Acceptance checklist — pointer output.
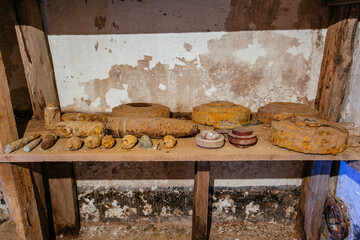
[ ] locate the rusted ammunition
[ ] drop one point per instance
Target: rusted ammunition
(93, 141)
(85, 117)
(129, 141)
(74, 143)
(169, 141)
(108, 141)
(49, 141)
(80, 129)
(51, 116)
(20, 143)
(153, 127)
(31, 145)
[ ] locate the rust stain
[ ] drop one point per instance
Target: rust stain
(100, 22)
(96, 46)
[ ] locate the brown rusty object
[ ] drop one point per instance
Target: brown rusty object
(108, 141)
(74, 143)
(80, 129)
(169, 141)
(283, 110)
(31, 145)
(85, 117)
(153, 127)
(214, 112)
(309, 135)
(141, 110)
(242, 137)
(48, 141)
(336, 218)
(128, 141)
(93, 141)
(51, 116)
(20, 143)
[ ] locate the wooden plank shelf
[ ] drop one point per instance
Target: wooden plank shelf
(185, 150)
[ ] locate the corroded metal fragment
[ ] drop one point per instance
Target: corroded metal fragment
(80, 129)
(108, 141)
(74, 143)
(284, 110)
(141, 110)
(145, 142)
(49, 141)
(51, 116)
(309, 135)
(31, 145)
(213, 112)
(129, 141)
(169, 141)
(153, 127)
(93, 141)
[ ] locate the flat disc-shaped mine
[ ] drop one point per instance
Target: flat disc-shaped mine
(283, 110)
(206, 143)
(242, 131)
(141, 110)
(214, 112)
(309, 135)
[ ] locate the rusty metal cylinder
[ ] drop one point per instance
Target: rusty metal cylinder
(93, 141)
(108, 141)
(153, 127)
(80, 129)
(85, 117)
(49, 141)
(74, 143)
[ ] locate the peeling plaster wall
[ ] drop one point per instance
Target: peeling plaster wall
(351, 104)
(185, 53)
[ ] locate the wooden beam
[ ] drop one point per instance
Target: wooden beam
(62, 188)
(312, 199)
(200, 227)
(35, 56)
(341, 2)
(335, 67)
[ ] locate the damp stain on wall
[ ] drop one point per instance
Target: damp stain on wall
(248, 68)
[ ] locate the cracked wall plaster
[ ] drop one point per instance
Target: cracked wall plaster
(185, 53)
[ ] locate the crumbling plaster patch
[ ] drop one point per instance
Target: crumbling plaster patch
(230, 66)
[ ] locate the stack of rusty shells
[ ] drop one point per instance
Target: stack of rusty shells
(242, 137)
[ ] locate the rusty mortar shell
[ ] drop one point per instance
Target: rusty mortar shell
(108, 141)
(153, 127)
(48, 141)
(80, 129)
(169, 141)
(31, 145)
(74, 143)
(93, 141)
(129, 141)
(20, 143)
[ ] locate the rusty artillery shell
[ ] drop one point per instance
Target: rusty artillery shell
(48, 141)
(51, 116)
(93, 141)
(20, 143)
(80, 129)
(85, 117)
(153, 127)
(108, 141)
(74, 143)
(31, 145)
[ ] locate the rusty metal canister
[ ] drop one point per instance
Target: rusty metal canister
(213, 112)
(153, 127)
(80, 129)
(309, 135)
(284, 110)
(85, 117)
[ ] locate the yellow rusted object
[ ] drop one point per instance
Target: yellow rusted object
(141, 110)
(309, 135)
(85, 117)
(283, 110)
(80, 129)
(214, 112)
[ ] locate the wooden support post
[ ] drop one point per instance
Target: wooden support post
(16, 179)
(335, 67)
(35, 56)
(62, 187)
(312, 199)
(201, 201)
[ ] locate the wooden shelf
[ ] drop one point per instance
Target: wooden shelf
(185, 150)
